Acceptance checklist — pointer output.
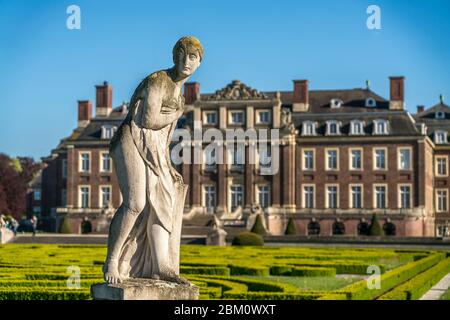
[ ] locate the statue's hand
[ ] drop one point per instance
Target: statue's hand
(176, 176)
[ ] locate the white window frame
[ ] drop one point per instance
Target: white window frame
(230, 117)
(230, 194)
(336, 103)
(370, 102)
(268, 150)
(327, 185)
(313, 159)
(375, 127)
(350, 195)
(386, 195)
(102, 167)
(204, 192)
(207, 166)
(353, 125)
(233, 148)
(338, 127)
(80, 161)
(258, 114)
(100, 195)
(37, 194)
(438, 209)
(64, 168)
(350, 159)
(108, 131)
(437, 134)
(257, 194)
(439, 115)
(437, 157)
(80, 201)
(327, 167)
(374, 158)
(205, 117)
(399, 193)
(306, 125)
(303, 202)
(399, 152)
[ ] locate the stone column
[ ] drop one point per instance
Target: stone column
(186, 173)
(288, 172)
(222, 180)
(196, 185)
(248, 178)
(71, 191)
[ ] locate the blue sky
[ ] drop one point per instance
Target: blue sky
(45, 67)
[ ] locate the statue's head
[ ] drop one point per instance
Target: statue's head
(187, 55)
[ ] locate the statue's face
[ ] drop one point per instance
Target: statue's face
(187, 62)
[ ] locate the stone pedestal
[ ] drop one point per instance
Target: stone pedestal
(144, 289)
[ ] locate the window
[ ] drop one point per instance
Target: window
(439, 115)
(37, 194)
(355, 159)
(441, 200)
(380, 159)
(64, 168)
(37, 210)
(308, 196)
(105, 162)
(404, 158)
(380, 127)
(210, 158)
(308, 159)
(333, 128)
(336, 103)
(265, 156)
(440, 137)
(309, 128)
(236, 117)
(210, 117)
(262, 116)
(380, 196)
(263, 195)
(356, 196)
(236, 156)
(108, 131)
(370, 102)
(236, 196)
(63, 197)
(85, 162)
(441, 166)
(332, 201)
(105, 196)
(332, 159)
(405, 196)
(356, 127)
(209, 197)
(84, 196)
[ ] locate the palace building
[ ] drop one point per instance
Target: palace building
(344, 155)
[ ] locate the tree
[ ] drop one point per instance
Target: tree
(13, 187)
(29, 168)
(375, 227)
(291, 228)
(258, 226)
(64, 227)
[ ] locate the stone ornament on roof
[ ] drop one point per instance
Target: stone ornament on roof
(237, 90)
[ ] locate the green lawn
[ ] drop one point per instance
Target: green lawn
(446, 295)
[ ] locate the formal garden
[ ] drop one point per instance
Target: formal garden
(233, 272)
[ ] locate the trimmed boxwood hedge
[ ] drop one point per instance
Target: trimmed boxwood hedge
(250, 271)
(420, 284)
(281, 270)
(313, 272)
(248, 239)
(220, 271)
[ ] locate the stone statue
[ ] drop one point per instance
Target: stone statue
(144, 235)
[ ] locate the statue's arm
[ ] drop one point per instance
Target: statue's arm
(152, 117)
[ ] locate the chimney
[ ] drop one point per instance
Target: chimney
(300, 98)
(103, 100)
(420, 109)
(397, 93)
(84, 113)
(191, 92)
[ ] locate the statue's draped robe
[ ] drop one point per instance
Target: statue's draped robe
(165, 198)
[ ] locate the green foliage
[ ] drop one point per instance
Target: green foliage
(251, 271)
(65, 226)
(417, 286)
(313, 272)
(248, 239)
(375, 228)
(280, 270)
(220, 271)
(258, 226)
(291, 228)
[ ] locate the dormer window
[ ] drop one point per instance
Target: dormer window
(333, 128)
(236, 117)
(439, 115)
(370, 102)
(357, 127)
(423, 128)
(108, 131)
(309, 128)
(336, 103)
(380, 126)
(440, 137)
